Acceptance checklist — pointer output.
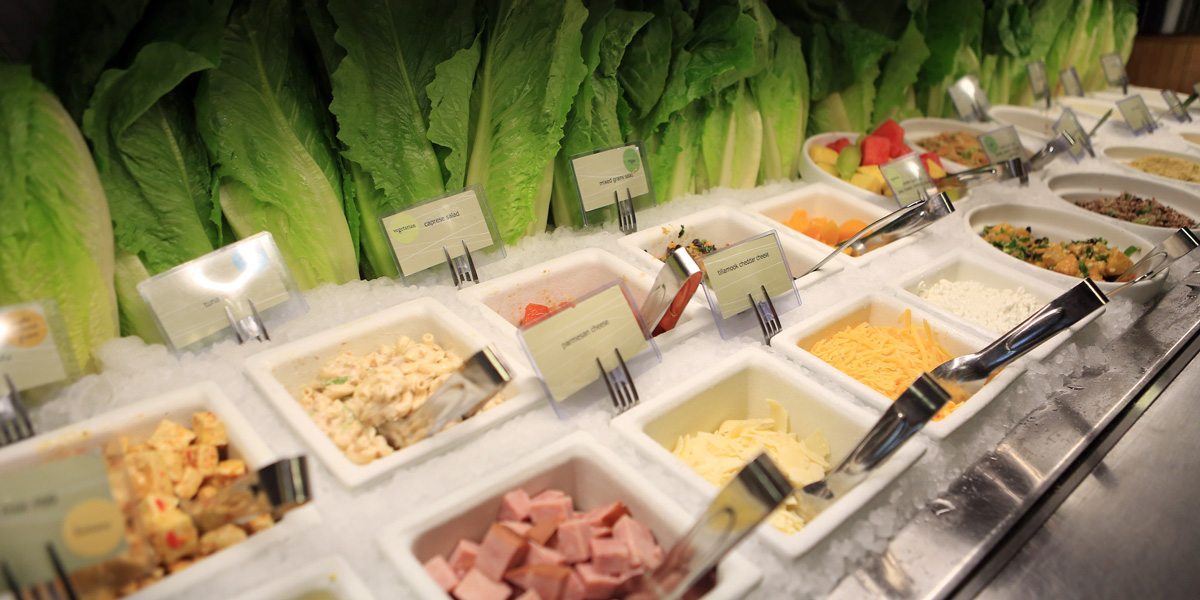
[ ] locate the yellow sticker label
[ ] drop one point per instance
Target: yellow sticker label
(93, 528)
(24, 328)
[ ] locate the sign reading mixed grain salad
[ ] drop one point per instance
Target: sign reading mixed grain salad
(619, 170)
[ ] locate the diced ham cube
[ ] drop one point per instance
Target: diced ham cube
(599, 531)
(543, 508)
(514, 506)
(529, 595)
(542, 532)
(546, 580)
(462, 558)
(597, 585)
(541, 555)
(573, 588)
(442, 574)
(573, 540)
(549, 493)
(610, 556)
(500, 550)
(644, 551)
(607, 515)
(477, 586)
(518, 527)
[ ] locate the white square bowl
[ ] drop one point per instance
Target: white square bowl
(281, 372)
(138, 421)
(592, 475)
(823, 200)
(568, 277)
(880, 310)
(330, 577)
(969, 267)
(723, 226)
(739, 390)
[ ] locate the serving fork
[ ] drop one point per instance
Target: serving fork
(14, 419)
(626, 215)
(621, 389)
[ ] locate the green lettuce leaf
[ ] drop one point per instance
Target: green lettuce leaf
(732, 139)
(848, 110)
(900, 73)
(56, 238)
(781, 93)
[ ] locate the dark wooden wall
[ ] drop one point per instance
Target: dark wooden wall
(1167, 62)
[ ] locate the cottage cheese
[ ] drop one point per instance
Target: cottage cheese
(996, 309)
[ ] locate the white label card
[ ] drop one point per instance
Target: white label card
(1136, 114)
(1002, 145)
(618, 170)
(1070, 124)
(742, 270)
(907, 177)
(565, 345)
(417, 234)
(1070, 82)
(1114, 69)
(189, 301)
(1039, 82)
(969, 99)
(29, 352)
(1178, 110)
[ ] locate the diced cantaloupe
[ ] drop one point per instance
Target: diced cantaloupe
(829, 232)
(848, 229)
(798, 220)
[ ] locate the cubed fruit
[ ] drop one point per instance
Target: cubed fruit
(798, 220)
(837, 145)
(867, 182)
(822, 154)
(935, 170)
(899, 150)
(828, 168)
(814, 227)
(875, 150)
(931, 157)
(873, 171)
(848, 229)
(891, 131)
(829, 232)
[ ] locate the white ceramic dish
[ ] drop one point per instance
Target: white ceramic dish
(591, 474)
(1092, 109)
(1060, 225)
(823, 200)
(568, 277)
(329, 578)
(281, 372)
(1035, 125)
(723, 226)
(738, 389)
(1152, 96)
(1077, 187)
(1191, 138)
(880, 310)
(918, 129)
(969, 267)
(1124, 154)
(138, 421)
(810, 172)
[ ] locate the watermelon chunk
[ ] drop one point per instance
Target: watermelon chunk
(837, 145)
(929, 156)
(875, 150)
(892, 131)
(899, 150)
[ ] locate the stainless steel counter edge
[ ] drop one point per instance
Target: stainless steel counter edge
(938, 548)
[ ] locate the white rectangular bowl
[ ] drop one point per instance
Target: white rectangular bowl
(723, 226)
(880, 310)
(591, 474)
(331, 575)
(281, 372)
(822, 200)
(566, 278)
(969, 267)
(138, 421)
(738, 390)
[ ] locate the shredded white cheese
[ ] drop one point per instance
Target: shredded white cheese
(996, 309)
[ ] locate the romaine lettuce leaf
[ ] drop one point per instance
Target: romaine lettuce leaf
(781, 93)
(899, 74)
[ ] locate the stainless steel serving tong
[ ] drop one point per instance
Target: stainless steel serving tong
(971, 371)
(904, 418)
(1009, 169)
(478, 380)
(674, 286)
(739, 507)
(274, 489)
(14, 419)
(1160, 258)
(899, 223)
(1060, 145)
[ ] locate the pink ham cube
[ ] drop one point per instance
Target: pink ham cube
(643, 550)
(500, 550)
(514, 506)
(442, 574)
(573, 588)
(477, 586)
(520, 528)
(529, 595)
(573, 541)
(462, 558)
(607, 515)
(544, 506)
(541, 555)
(610, 556)
(597, 585)
(546, 580)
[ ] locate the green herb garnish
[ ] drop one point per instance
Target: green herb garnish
(338, 380)
(1131, 250)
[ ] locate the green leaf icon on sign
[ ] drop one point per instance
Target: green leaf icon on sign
(992, 146)
(633, 162)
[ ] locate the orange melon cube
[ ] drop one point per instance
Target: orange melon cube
(848, 229)
(798, 220)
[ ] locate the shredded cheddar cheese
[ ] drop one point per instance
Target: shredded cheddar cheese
(887, 359)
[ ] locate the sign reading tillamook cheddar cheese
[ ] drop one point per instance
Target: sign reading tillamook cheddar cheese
(600, 174)
(67, 503)
(417, 234)
(742, 270)
(564, 346)
(32, 350)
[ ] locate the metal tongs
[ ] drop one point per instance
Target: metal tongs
(675, 285)
(1160, 258)
(757, 490)
(274, 489)
(903, 419)
(1060, 145)
(899, 223)
(1009, 169)
(478, 380)
(971, 371)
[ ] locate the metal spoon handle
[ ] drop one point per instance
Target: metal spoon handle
(1052, 150)
(1160, 258)
(274, 489)
(897, 224)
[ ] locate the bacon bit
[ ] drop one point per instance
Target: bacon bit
(173, 540)
(160, 504)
